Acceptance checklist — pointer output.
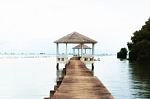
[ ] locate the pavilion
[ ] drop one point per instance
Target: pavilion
(79, 47)
(75, 38)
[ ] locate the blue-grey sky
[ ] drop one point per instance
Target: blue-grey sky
(33, 25)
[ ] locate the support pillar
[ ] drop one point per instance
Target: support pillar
(93, 56)
(92, 66)
(57, 53)
(90, 51)
(66, 50)
(57, 48)
(85, 51)
(93, 49)
(51, 93)
(73, 51)
(57, 66)
(78, 53)
(81, 50)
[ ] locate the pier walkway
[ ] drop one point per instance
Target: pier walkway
(78, 82)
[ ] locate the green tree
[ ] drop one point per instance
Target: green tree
(122, 54)
(139, 48)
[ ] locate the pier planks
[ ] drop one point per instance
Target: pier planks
(79, 83)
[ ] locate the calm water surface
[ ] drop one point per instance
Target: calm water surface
(33, 77)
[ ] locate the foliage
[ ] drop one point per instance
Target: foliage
(122, 54)
(139, 48)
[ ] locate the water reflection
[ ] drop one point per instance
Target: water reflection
(140, 80)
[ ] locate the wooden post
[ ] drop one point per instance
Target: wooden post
(58, 83)
(92, 66)
(52, 93)
(63, 72)
(61, 78)
(55, 87)
(57, 66)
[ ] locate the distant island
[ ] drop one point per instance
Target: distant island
(122, 54)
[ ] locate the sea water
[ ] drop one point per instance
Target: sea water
(33, 76)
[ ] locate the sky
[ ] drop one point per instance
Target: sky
(31, 26)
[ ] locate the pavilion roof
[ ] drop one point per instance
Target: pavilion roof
(75, 38)
(79, 47)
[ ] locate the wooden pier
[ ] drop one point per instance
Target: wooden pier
(78, 82)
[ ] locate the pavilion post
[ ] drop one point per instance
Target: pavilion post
(93, 55)
(93, 49)
(90, 51)
(73, 51)
(66, 49)
(57, 47)
(57, 53)
(81, 50)
(78, 52)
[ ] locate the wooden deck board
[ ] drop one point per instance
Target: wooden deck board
(79, 83)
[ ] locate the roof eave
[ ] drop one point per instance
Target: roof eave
(75, 42)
